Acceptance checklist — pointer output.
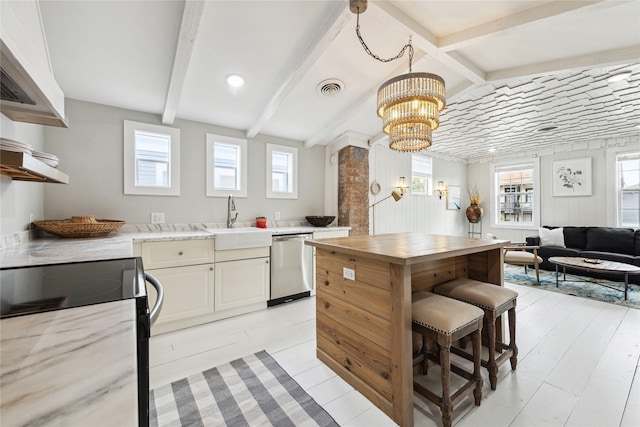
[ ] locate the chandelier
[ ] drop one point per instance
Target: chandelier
(409, 104)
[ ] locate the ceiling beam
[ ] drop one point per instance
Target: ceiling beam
(327, 32)
(600, 59)
(330, 131)
(188, 30)
(546, 11)
(428, 42)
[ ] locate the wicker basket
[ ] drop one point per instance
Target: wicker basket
(79, 226)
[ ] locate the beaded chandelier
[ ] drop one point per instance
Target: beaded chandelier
(409, 104)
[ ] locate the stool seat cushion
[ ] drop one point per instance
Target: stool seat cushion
(521, 257)
(441, 314)
(478, 293)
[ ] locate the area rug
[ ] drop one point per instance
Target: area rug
(252, 391)
(586, 287)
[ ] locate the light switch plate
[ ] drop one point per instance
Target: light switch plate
(349, 273)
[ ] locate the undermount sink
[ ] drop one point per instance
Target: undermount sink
(240, 238)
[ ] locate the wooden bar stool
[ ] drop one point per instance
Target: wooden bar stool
(443, 321)
(495, 301)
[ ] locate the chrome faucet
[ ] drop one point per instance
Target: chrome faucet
(231, 207)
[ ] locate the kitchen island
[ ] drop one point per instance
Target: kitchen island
(363, 304)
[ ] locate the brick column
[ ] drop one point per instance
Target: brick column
(353, 190)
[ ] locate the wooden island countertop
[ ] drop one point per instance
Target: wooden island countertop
(363, 304)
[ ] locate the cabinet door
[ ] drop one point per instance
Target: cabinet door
(188, 292)
(242, 282)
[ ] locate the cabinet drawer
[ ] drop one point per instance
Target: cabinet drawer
(177, 253)
(317, 235)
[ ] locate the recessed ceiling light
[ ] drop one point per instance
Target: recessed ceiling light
(235, 80)
(619, 77)
(491, 150)
(548, 128)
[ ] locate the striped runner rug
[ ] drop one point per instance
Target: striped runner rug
(252, 391)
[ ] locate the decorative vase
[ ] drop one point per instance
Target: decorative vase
(474, 213)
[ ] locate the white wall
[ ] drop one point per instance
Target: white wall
(598, 209)
(425, 214)
(91, 152)
(20, 199)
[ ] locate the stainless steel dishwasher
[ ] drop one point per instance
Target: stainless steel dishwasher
(291, 268)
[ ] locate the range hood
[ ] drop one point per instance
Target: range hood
(29, 92)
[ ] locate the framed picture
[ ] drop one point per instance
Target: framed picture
(572, 177)
(453, 197)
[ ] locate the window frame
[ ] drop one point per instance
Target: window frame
(618, 190)
(293, 151)
(495, 194)
(130, 187)
(211, 191)
(428, 177)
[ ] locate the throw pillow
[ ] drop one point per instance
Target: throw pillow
(553, 237)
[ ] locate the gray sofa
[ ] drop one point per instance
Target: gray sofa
(606, 243)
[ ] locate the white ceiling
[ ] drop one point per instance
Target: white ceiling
(510, 67)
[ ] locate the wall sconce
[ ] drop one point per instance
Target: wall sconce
(441, 189)
(402, 186)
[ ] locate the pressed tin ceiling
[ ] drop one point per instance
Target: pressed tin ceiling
(510, 67)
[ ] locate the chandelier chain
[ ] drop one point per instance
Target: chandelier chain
(406, 47)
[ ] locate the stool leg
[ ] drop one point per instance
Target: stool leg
(477, 348)
(445, 366)
(492, 366)
(512, 337)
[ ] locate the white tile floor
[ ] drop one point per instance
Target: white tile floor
(578, 364)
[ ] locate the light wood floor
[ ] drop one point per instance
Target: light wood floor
(578, 364)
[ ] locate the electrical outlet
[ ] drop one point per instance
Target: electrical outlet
(349, 273)
(157, 217)
(276, 216)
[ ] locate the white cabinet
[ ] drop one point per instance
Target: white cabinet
(188, 292)
(185, 269)
(241, 282)
(242, 278)
(197, 290)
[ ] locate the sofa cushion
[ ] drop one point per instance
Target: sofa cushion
(547, 252)
(607, 239)
(553, 237)
(637, 234)
(575, 237)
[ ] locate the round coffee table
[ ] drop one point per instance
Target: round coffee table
(588, 264)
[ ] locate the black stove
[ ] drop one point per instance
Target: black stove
(36, 289)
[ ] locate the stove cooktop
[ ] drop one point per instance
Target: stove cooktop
(35, 289)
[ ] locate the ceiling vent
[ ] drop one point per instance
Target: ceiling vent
(330, 87)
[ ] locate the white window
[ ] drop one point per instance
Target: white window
(628, 189)
(515, 194)
(421, 175)
(226, 166)
(151, 159)
(282, 172)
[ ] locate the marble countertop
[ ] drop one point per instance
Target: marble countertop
(70, 367)
(56, 250)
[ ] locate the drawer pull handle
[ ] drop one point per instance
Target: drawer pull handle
(180, 253)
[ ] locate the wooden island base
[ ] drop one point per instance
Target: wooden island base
(364, 325)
